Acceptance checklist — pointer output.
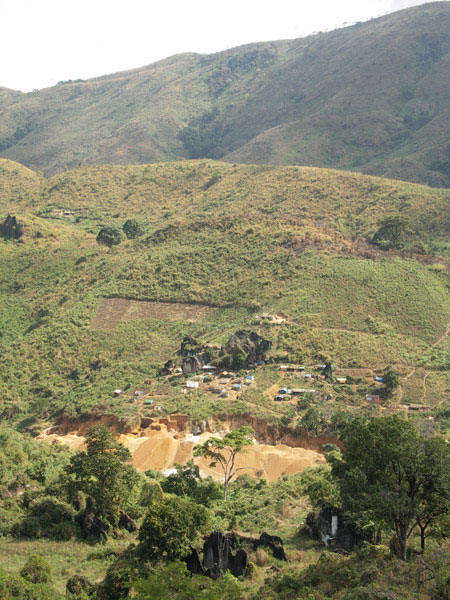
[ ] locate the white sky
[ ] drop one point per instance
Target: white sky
(45, 41)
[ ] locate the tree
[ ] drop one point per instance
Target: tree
(391, 231)
(109, 236)
(174, 581)
(391, 380)
(392, 475)
(186, 482)
(132, 228)
(170, 526)
(223, 452)
(102, 473)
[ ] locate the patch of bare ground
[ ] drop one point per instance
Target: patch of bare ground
(112, 311)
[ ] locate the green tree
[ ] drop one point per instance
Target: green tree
(391, 231)
(170, 526)
(102, 472)
(223, 452)
(109, 236)
(391, 379)
(174, 581)
(132, 228)
(392, 475)
(187, 482)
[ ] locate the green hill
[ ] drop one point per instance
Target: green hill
(237, 240)
(372, 97)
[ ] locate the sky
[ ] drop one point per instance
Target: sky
(46, 41)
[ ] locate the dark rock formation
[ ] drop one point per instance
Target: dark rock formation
(332, 527)
(91, 525)
(126, 522)
(192, 364)
(273, 542)
(252, 345)
(167, 368)
(194, 564)
(221, 553)
(218, 556)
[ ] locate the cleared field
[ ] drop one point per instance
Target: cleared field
(113, 310)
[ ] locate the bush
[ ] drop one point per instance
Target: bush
(132, 228)
(109, 236)
(37, 570)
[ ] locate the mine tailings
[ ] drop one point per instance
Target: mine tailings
(161, 443)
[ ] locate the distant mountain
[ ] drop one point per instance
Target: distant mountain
(373, 97)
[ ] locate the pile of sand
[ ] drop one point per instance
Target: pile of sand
(161, 450)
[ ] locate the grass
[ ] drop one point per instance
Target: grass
(341, 99)
(290, 240)
(91, 561)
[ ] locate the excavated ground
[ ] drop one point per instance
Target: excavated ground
(161, 445)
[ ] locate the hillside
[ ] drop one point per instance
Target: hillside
(220, 243)
(372, 97)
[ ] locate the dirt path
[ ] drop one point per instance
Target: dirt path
(433, 345)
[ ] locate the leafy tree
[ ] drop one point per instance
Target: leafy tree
(109, 236)
(391, 231)
(392, 475)
(102, 473)
(187, 482)
(223, 452)
(174, 581)
(132, 228)
(391, 380)
(170, 526)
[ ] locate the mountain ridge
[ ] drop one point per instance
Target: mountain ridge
(370, 97)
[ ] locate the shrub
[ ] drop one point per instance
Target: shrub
(37, 570)
(109, 236)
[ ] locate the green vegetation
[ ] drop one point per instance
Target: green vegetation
(284, 240)
(223, 452)
(101, 472)
(370, 97)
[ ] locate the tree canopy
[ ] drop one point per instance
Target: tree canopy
(170, 526)
(223, 452)
(109, 236)
(392, 475)
(102, 472)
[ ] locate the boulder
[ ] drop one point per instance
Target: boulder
(333, 527)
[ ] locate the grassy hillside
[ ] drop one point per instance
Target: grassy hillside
(238, 239)
(372, 97)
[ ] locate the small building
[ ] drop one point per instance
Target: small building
(117, 393)
(209, 368)
(283, 391)
(279, 398)
(138, 393)
(418, 407)
(291, 368)
(148, 401)
(341, 379)
(191, 384)
(373, 398)
(379, 379)
(299, 391)
(236, 387)
(308, 376)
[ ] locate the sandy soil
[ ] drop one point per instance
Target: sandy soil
(161, 450)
